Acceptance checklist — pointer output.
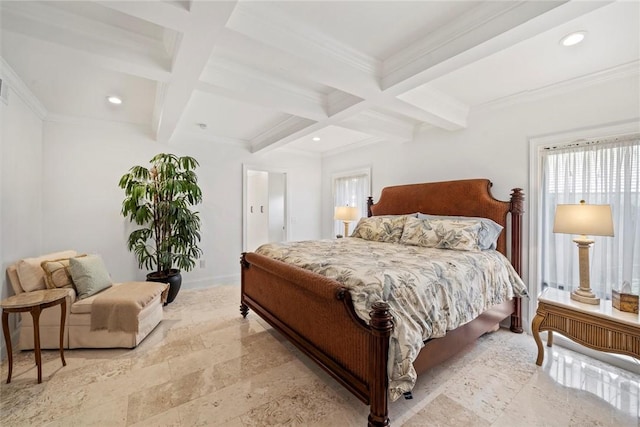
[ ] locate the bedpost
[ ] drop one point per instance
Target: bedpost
(517, 209)
(244, 308)
(369, 204)
(381, 326)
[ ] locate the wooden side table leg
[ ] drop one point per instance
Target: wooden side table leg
(535, 330)
(35, 313)
(7, 340)
(63, 315)
(549, 338)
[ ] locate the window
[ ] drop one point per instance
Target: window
(351, 188)
(602, 171)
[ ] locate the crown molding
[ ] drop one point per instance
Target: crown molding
(13, 81)
(627, 70)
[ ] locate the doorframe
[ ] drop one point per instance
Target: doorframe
(257, 167)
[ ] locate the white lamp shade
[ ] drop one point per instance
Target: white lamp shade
(346, 213)
(583, 219)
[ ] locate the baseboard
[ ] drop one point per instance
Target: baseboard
(207, 282)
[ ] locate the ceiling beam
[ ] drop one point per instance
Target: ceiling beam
(483, 31)
(117, 60)
(355, 75)
(206, 22)
(44, 30)
(235, 81)
(286, 131)
(429, 105)
(161, 13)
(486, 29)
(333, 63)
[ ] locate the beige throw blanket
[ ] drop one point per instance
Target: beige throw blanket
(116, 308)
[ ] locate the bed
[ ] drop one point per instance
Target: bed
(317, 313)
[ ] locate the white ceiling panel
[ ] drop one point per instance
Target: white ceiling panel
(227, 118)
(331, 138)
(78, 89)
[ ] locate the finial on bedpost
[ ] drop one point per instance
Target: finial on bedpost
(517, 201)
(381, 326)
(517, 209)
(369, 204)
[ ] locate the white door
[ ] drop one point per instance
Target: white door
(264, 212)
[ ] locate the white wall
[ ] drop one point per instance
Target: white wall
(495, 145)
(82, 200)
(20, 179)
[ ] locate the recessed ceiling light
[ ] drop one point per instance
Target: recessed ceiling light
(573, 38)
(114, 99)
(316, 138)
(201, 125)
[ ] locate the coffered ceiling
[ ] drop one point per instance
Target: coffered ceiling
(273, 74)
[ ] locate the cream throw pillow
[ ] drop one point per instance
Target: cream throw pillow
(30, 271)
(57, 274)
(89, 274)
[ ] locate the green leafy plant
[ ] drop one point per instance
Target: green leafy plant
(159, 199)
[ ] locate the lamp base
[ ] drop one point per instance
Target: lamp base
(586, 297)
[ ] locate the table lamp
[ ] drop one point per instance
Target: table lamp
(584, 219)
(346, 214)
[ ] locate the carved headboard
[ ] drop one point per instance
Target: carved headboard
(469, 197)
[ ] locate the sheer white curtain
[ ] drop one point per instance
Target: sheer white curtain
(600, 172)
(351, 189)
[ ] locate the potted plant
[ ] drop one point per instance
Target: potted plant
(159, 199)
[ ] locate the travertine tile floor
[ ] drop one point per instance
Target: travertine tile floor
(205, 365)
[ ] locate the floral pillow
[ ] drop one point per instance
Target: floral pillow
(489, 230)
(442, 234)
(380, 228)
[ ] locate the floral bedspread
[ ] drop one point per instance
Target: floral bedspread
(429, 291)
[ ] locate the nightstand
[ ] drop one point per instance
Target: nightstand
(600, 327)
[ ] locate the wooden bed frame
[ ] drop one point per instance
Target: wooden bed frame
(316, 313)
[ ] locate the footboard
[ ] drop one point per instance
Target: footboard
(316, 314)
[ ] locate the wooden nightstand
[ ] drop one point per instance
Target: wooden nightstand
(600, 327)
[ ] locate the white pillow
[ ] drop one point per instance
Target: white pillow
(30, 272)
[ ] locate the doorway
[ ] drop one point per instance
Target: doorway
(264, 215)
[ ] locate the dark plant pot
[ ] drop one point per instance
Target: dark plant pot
(172, 277)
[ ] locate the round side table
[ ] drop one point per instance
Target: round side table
(34, 303)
